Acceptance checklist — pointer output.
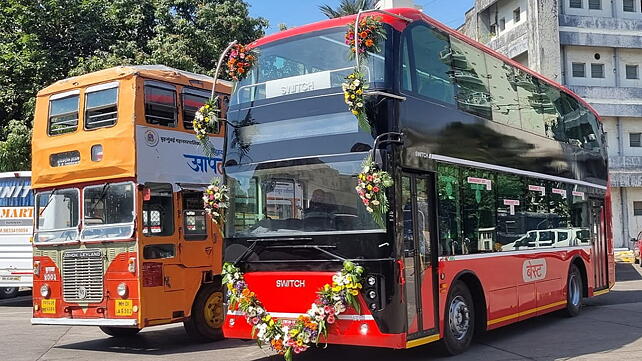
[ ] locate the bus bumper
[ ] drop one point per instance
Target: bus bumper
(110, 322)
(356, 330)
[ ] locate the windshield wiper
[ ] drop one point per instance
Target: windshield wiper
(49, 201)
(267, 240)
(103, 193)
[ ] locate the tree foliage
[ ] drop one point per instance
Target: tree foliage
(42, 41)
(347, 7)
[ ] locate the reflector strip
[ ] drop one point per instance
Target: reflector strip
(422, 341)
(524, 313)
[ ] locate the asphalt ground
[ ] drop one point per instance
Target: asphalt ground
(609, 328)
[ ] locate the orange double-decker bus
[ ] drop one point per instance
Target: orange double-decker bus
(121, 240)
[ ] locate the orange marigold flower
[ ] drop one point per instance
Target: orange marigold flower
(241, 70)
(245, 292)
(369, 42)
(363, 34)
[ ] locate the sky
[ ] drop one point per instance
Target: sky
(300, 12)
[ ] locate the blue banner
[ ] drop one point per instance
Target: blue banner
(15, 192)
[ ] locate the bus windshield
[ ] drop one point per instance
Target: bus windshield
(304, 63)
(294, 197)
(57, 212)
(108, 211)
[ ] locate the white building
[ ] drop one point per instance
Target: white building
(594, 47)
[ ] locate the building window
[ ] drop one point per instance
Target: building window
(637, 208)
(579, 70)
(634, 140)
(628, 6)
(595, 4)
(575, 4)
(597, 70)
(632, 72)
(502, 24)
(517, 13)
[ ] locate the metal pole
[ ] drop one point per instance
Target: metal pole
(218, 67)
(356, 39)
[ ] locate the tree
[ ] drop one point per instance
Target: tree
(42, 41)
(347, 7)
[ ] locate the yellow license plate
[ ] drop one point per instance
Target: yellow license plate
(124, 307)
(48, 306)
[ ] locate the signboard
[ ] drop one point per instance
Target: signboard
(16, 206)
(64, 158)
(170, 156)
(16, 220)
(298, 84)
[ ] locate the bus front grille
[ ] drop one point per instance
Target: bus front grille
(82, 276)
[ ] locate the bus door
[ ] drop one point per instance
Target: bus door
(196, 243)
(599, 243)
(417, 202)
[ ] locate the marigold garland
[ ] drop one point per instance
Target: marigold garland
(371, 33)
(371, 185)
(332, 300)
(206, 121)
(216, 200)
(239, 61)
(354, 96)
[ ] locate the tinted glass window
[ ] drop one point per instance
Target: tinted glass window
(101, 109)
(160, 106)
(158, 217)
(510, 209)
(531, 102)
(194, 217)
(478, 211)
(471, 77)
(191, 103)
(432, 64)
(449, 208)
(63, 115)
(503, 89)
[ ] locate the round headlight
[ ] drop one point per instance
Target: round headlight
(122, 290)
(45, 291)
(371, 280)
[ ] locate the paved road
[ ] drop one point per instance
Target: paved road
(609, 328)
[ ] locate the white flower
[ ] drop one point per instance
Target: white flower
(357, 82)
(359, 105)
(370, 210)
(375, 202)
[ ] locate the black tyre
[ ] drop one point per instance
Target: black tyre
(459, 321)
(574, 292)
(120, 331)
(8, 292)
(206, 322)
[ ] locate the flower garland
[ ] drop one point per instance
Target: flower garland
(239, 62)
(371, 33)
(205, 122)
(215, 200)
(371, 186)
(353, 93)
(332, 300)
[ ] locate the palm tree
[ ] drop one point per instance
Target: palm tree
(347, 7)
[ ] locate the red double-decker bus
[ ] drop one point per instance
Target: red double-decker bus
(500, 207)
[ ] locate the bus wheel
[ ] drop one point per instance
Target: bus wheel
(574, 292)
(8, 292)
(460, 319)
(119, 331)
(206, 321)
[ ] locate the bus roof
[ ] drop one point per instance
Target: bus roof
(398, 24)
(118, 72)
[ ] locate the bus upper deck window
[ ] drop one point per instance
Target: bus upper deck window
(101, 105)
(63, 113)
(160, 104)
(192, 99)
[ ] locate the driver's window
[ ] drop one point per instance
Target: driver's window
(194, 218)
(158, 218)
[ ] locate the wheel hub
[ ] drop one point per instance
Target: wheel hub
(574, 290)
(459, 318)
(213, 310)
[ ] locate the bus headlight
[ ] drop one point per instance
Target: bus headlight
(122, 290)
(371, 294)
(371, 280)
(45, 291)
